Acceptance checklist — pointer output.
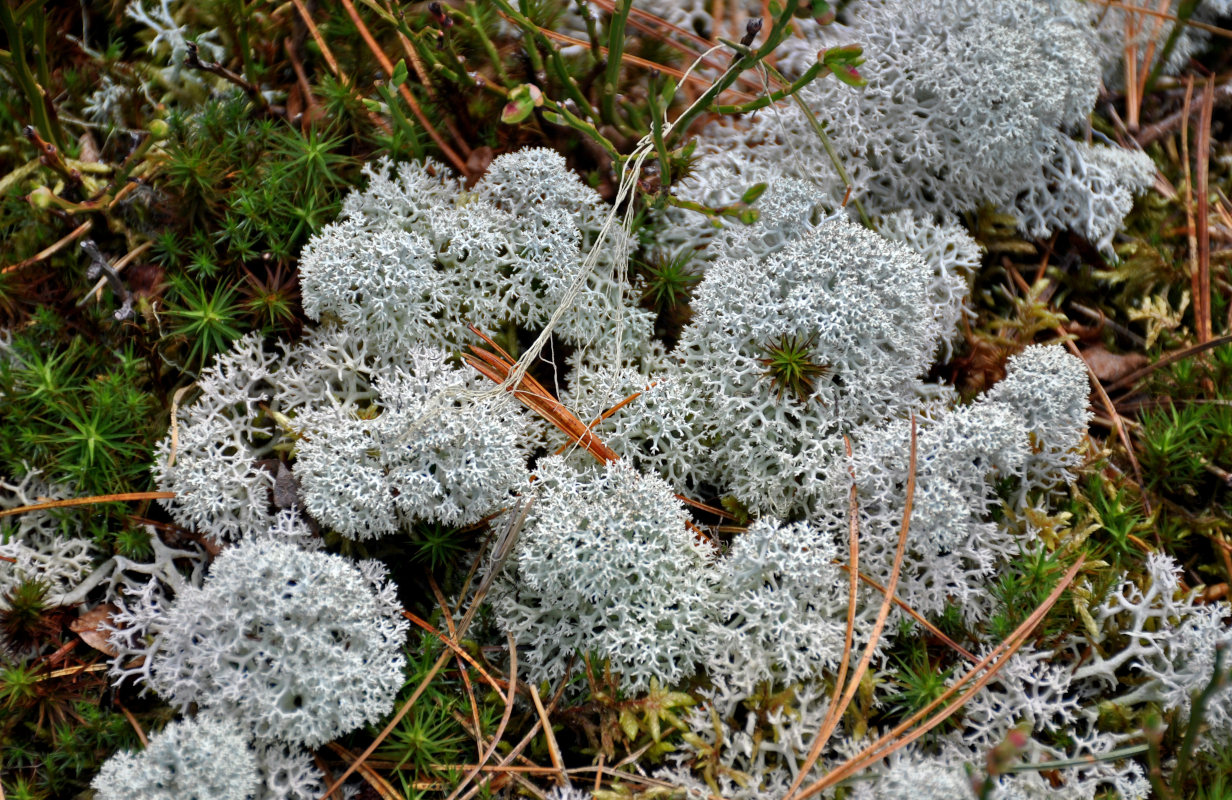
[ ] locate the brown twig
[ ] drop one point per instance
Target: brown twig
(374, 778)
(462, 656)
(128, 715)
(836, 710)
(896, 740)
(502, 551)
(50, 156)
(88, 501)
(51, 250)
(1165, 360)
(1151, 133)
(1202, 296)
(193, 59)
(504, 723)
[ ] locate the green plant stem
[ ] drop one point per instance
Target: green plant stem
(592, 30)
(583, 127)
(35, 94)
(472, 11)
(810, 74)
(241, 34)
(1198, 711)
(656, 131)
(615, 54)
(720, 211)
(1111, 755)
(559, 69)
(747, 59)
(820, 130)
(1183, 12)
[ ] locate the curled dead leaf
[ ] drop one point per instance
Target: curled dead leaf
(90, 626)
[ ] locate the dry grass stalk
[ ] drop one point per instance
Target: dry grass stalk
(462, 655)
(504, 723)
(453, 645)
(374, 778)
(52, 249)
(896, 740)
(501, 551)
(87, 501)
(837, 709)
(553, 749)
(1202, 294)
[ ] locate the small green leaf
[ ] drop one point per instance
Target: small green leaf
(399, 76)
(755, 191)
(628, 724)
(749, 215)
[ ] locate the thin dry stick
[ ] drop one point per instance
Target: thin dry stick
(1133, 102)
(891, 742)
(918, 617)
(331, 62)
(836, 711)
(129, 257)
(458, 162)
(50, 250)
(453, 645)
(453, 633)
(358, 763)
(301, 78)
(637, 14)
(516, 752)
(1203, 293)
(128, 715)
(1191, 230)
(374, 778)
(1164, 361)
(417, 64)
(640, 62)
(853, 547)
(1117, 422)
(503, 545)
(500, 729)
(553, 748)
(320, 40)
(1150, 12)
(1149, 56)
(88, 501)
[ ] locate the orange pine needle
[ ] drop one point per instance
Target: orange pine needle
(88, 501)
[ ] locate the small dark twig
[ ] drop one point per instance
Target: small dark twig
(49, 156)
(99, 266)
(1170, 123)
(193, 59)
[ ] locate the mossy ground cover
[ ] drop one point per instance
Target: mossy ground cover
(154, 200)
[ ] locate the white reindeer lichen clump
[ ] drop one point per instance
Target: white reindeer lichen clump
(299, 647)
